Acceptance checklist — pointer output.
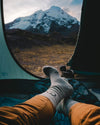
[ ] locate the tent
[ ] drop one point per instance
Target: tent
(85, 59)
(18, 85)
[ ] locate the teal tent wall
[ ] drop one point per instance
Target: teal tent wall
(86, 58)
(9, 69)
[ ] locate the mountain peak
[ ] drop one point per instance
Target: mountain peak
(57, 12)
(45, 21)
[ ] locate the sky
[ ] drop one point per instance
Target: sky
(20, 8)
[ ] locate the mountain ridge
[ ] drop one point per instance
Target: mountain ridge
(54, 19)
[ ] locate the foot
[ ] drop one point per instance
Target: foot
(49, 70)
(57, 81)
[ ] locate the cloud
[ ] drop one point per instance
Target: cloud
(19, 8)
(75, 11)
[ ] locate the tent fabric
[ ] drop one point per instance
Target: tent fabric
(85, 59)
(9, 69)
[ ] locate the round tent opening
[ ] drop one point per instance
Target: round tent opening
(40, 35)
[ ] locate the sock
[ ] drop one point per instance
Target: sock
(65, 105)
(59, 88)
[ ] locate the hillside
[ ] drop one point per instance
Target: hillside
(34, 58)
(17, 38)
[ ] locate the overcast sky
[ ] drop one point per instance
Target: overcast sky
(20, 8)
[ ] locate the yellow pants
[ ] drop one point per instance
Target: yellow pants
(84, 114)
(39, 111)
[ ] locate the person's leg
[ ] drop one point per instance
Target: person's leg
(80, 113)
(40, 109)
(59, 88)
(36, 111)
(65, 105)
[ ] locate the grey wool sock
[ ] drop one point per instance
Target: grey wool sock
(65, 105)
(59, 88)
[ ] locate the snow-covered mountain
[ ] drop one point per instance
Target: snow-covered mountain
(53, 19)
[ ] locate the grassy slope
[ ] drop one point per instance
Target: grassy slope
(35, 58)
